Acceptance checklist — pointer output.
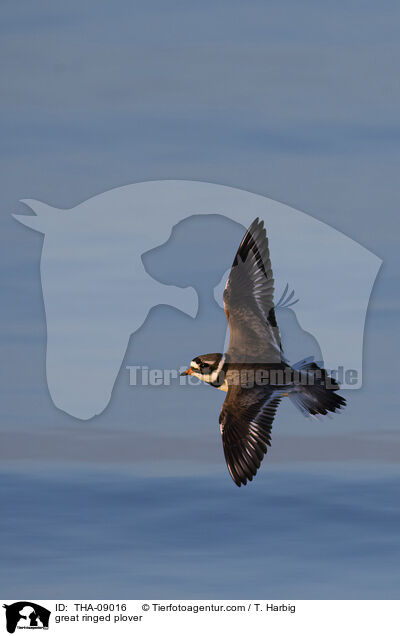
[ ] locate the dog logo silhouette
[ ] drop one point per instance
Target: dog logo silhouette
(26, 615)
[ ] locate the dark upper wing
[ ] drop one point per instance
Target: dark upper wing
(246, 423)
(249, 301)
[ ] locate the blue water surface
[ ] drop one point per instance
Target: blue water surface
(293, 534)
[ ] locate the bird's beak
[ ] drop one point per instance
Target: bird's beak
(187, 372)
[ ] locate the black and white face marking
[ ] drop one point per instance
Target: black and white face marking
(208, 367)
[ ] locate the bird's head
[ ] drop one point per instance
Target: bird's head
(208, 368)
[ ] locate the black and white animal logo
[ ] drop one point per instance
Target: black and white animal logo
(26, 614)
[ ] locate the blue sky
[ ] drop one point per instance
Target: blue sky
(292, 102)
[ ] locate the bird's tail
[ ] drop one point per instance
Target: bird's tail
(314, 391)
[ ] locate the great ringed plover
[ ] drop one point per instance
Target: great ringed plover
(253, 371)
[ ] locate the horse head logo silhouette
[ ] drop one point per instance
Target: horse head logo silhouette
(26, 614)
(97, 292)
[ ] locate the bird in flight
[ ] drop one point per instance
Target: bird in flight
(253, 371)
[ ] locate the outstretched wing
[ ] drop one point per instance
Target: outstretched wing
(249, 301)
(246, 423)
